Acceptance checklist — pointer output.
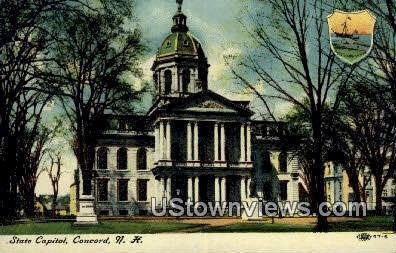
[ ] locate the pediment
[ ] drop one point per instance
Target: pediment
(206, 102)
(207, 105)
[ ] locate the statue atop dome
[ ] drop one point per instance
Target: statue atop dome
(179, 3)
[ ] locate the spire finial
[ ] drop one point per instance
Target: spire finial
(179, 3)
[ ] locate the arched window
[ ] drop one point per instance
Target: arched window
(283, 161)
(155, 78)
(186, 79)
(142, 159)
(122, 159)
(168, 81)
(102, 158)
(266, 161)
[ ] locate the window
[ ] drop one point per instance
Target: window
(168, 81)
(142, 159)
(142, 189)
(264, 130)
(122, 125)
(122, 186)
(266, 161)
(283, 190)
(102, 158)
(168, 44)
(155, 78)
(283, 161)
(104, 212)
(185, 79)
(123, 212)
(103, 191)
(385, 193)
(122, 159)
(185, 43)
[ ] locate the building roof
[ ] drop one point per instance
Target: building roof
(181, 43)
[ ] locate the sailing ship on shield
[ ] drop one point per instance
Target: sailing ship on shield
(351, 34)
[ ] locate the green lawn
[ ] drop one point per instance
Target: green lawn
(258, 227)
(160, 226)
(382, 223)
(367, 224)
(105, 227)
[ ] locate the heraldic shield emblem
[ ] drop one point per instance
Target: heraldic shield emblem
(351, 34)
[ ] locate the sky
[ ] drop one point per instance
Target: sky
(216, 25)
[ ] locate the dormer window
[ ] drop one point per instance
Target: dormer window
(168, 44)
(185, 43)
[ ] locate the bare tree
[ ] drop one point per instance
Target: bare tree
(293, 59)
(54, 171)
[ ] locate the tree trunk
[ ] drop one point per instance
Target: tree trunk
(318, 171)
(54, 204)
(354, 182)
(29, 203)
(378, 194)
(85, 157)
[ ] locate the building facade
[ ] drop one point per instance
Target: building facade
(193, 144)
(338, 189)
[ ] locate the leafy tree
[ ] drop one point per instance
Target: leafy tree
(22, 47)
(93, 51)
(372, 130)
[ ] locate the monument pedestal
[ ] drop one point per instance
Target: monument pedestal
(254, 212)
(86, 214)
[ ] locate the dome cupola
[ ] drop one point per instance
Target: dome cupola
(180, 67)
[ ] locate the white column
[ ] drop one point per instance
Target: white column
(175, 83)
(196, 189)
(161, 141)
(248, 143)
(223, 189)
(196, 158)
(189, 141)
(168, 140)
(248, 187)
(243, 155)
(189, 189)
(222, 140)
(216, 141)
(161, 81)
(169, 188)
(159, 191)
(243, 189)
(217, 189)
(156, 148)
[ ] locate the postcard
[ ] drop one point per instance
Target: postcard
(200, 126)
